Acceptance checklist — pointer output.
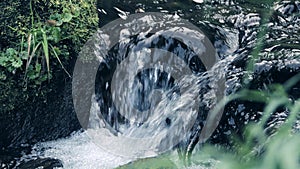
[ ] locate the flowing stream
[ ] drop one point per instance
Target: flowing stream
(232, 28)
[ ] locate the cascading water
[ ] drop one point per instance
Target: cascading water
(148, 82)
(170, 109)
(158, 90)
(150, 111)
(81, 151)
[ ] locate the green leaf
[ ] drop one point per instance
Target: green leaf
(55, 16)
(66, 10)
(31, 73)
(3, 61)
(17, 63)
(76, 11)
(67, 17)
(55, 34)
(58, 18)
(11, 52)
(23, 55)
(59, 23)
(38, 67)
(56, 55)
(45, 46)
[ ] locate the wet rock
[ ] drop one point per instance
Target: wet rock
(10, 156)
(7, 161)
(40, 121)
(45, 163)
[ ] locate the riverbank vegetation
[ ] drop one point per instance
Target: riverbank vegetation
(39, 40)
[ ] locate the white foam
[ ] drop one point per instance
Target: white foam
(78, 151)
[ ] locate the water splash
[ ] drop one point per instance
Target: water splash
(79, 151)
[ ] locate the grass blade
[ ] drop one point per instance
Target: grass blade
(46, 51)
(55, 54)
(30, 57)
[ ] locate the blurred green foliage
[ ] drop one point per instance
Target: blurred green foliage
(258, 149)
(39, 40)
(150, 163)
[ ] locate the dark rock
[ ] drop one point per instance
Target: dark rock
(10, 156)
(45, 163)
(40, 121)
